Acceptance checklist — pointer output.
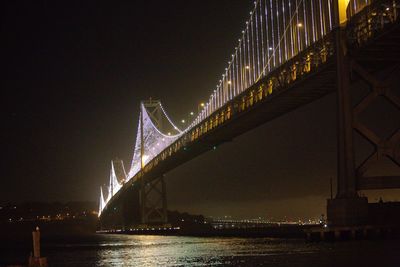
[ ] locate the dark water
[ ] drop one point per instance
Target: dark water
(121, 250)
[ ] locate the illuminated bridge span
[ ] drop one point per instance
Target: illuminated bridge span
(290, 53)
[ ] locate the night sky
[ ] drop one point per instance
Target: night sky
(75, 72)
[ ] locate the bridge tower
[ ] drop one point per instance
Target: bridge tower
(153, 193)
(348, 208)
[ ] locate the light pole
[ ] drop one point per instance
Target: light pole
(200, 107)
(189, 118)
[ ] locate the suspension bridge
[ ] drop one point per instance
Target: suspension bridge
(290, 53)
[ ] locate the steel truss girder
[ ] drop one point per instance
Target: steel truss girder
(383, 147)
(154, 201)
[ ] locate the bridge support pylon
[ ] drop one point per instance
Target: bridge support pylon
(153, 202)
(348, 208)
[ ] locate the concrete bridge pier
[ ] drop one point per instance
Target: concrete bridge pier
(347, 208)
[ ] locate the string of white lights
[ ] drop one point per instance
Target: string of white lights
(313, 22)
(257, 41)
(272, 48)
(298, 32)
(262, 35)
(321, 18)
(306, 35)
(280, 40)
(169, 120)
(110, 189)
(136, 153)
(244, 59)
(253, 63)
(330, 14)
(292, 31)
(285, 48)
(248, 53)
(101, 202)
(116, 185)
(146, 115)
(233, 78)
(237, 81)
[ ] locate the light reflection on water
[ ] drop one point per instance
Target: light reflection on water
(183, 251)
(123, 250)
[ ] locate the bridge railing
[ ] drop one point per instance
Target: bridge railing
(371, 20)
(356, 6)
